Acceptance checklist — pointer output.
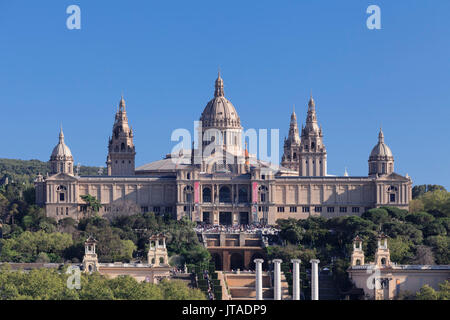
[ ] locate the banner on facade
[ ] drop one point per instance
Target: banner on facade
(255, 192)
(196, 192)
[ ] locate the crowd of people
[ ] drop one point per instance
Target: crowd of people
(249, 228)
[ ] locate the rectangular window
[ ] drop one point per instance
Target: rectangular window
(392, 197)
(330, 209)
(157, 209)
(263, 177)
(168, 209)
(263, 197)
(280, 209)
(355, 209)
(67, 211)
(343, 209)
(293, 209)
(61, 196)
(144, 209)
(305, 209)
(317, 209)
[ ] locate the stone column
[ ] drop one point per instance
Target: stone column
(277, 279)
(258, 282)
(296, 279)
(314, 279)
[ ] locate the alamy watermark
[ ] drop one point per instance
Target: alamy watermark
(374, 20)
(74, 20)
(74, 280)
(224, 146)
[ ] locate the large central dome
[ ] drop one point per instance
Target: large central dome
(220, 112)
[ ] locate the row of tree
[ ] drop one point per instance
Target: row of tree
(51, 284)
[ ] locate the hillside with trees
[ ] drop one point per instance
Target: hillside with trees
(51, 284)
(25, 171)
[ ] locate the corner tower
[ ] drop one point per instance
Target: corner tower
(381, 160)
(291, 145)
(121, 151)
(61, 160)
(312, 152)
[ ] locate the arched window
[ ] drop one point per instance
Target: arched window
(122, 147)
(61, 190)
(243, 194)
(207, 194)
(116, 149)
(358, 262)
(263, 191)
(312, 145)
(225, 194)
(383, 261)
(153, 260)
(161, 260)
(188, 191)
(392, 191)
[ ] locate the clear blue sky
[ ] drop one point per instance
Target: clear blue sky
(164, 56)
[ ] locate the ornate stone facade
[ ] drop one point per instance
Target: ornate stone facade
(238, 190)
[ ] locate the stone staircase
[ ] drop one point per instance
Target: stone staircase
(242, 286)
(327, 288)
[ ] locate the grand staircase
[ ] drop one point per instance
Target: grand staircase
(327, 288)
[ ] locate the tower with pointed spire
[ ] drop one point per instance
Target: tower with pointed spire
(312, 152)
(121, 150)
(291, 144)
(61, 160)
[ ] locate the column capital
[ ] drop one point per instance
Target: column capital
(258, 261)
(314, 261)
(296, 261)
(277, 261)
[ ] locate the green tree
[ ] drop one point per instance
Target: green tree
(93, 205)
(177, 290)
(427, 293)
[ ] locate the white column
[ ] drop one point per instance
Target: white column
(296, 279)
(277, 279)
(258, 282)
(314, 279)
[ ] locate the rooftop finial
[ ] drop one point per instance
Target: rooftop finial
(219, 86)
(61, 134)
(381, 136)
(122, 103)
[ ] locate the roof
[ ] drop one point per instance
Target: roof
(169, 163)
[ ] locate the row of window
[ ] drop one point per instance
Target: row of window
(157, 209)
(60, 211)
(318, 209)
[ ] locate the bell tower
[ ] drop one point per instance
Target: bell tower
(312, 152)
(90, 260)
(382, 255)
(121, 150)
(358, 253)
(291, 144)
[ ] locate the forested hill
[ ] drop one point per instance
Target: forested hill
(25, 171)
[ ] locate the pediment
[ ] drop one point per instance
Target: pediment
(393, 176)
(62, 177)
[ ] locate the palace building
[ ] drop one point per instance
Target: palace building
(229, 186)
